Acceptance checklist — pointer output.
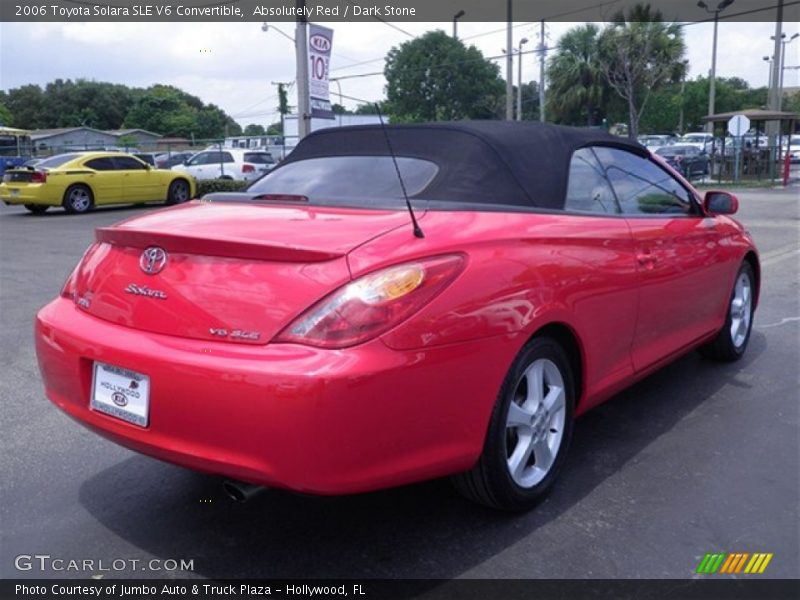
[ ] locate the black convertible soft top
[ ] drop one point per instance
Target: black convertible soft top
(484, 162)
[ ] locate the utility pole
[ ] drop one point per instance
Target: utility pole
(301, 51)
(784, 43)
(542, 54)
(776, 63)
(773, 127)
(509, 64)
(519, 79)
(712, 76)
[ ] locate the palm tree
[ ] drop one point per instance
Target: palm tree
(577, 81)
(639, 53)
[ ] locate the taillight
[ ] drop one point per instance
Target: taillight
(68, 289)
(371, 305)
(246, 168)
(39, 177)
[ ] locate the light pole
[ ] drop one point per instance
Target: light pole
(519, 89)
(542, 55)
(265, 27)
(456, 17)
(769, 75)
(509, 63)
(301, 50)
(781, 67)
(301, 56)
(713, 75)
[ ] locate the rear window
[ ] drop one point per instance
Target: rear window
(56, 161)
(259, 158)
(351, 180)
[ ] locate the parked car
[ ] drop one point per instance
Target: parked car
(651, 142)
(228, 163)
(687, 160)
(79, 181)
(167, 160)
(148, 157)
(702, 141)
(793, 150)
(335, 329)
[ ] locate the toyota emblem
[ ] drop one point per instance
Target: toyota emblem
(153, 260)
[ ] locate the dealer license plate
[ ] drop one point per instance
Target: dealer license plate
(121, 393)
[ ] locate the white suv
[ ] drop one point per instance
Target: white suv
(228, 163)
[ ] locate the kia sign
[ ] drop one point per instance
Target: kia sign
(320, 41)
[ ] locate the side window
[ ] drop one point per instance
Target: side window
(641, 186)
(198, 159)
(227, 157)
(128, 163)
(100, 164)
(588, 189)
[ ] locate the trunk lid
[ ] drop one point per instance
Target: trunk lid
(231, 272)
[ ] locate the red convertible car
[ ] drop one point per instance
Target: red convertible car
(396, 304)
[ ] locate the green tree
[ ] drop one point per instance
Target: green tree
(436, 77)
(368, 108)
(530, 101)
(26, 103)
(254, 129)
(169, 111)
(639, 54)
(578, 85)
(5, 116)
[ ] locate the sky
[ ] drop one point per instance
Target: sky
(233, 65)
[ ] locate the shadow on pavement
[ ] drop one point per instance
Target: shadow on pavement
(418, 531)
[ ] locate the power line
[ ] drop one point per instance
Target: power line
(393, 26)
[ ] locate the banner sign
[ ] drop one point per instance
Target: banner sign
(320, 42)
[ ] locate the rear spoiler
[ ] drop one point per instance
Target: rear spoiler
(204, 246)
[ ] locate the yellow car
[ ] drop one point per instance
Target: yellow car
(79, 181)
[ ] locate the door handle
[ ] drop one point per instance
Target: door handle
(647, 259)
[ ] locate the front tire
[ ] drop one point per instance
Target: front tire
(36, 209)
(78, 199)
(732, 339)
(178, 192)
(529, 431)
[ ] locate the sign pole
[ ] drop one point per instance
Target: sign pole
(738, 125)
(301, 52)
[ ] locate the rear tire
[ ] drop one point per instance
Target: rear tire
(78, 199)
(36, 209)
(732, 339)
(529, 431)
(178, 192)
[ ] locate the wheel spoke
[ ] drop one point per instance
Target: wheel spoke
(519, 458)
(741, 330)
(535, 378)
(554, 401)
(543, 455)
(518, 416)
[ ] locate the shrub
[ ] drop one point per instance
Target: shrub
(208, 186)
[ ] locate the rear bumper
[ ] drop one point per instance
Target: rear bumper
(33, 193)
(310, 420)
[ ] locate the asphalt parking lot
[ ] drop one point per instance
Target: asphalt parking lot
(700, 457)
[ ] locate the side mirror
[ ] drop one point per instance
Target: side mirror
(720, 203)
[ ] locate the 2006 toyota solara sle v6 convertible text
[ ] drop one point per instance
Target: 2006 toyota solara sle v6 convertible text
(396, 304)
